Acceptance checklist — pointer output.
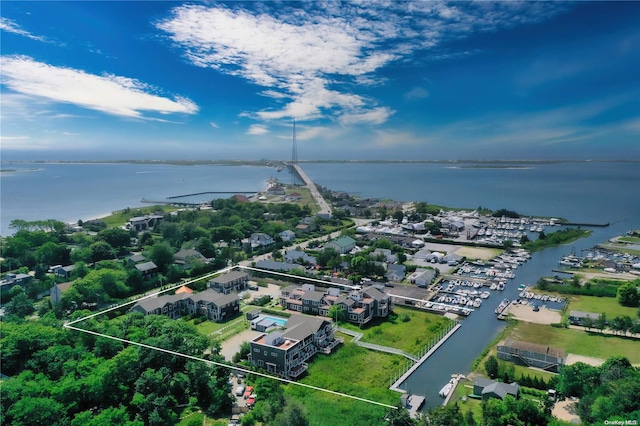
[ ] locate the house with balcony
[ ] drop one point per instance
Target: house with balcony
(231, 281)
(531, 354)
(285, 353)
(259, 240)
(209, 303)
(359, 305)
(144, 223)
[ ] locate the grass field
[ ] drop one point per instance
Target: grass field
(598, 305)
(578, 342)
(478, 252)
(411, 336)
(343, 371)
(121, 217)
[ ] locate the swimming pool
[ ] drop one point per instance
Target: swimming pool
(278, 320)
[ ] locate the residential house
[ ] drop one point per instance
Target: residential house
(487, 389)
(147, 269)
(342, 245)
(136, 258)
(294, 196)
(186, 258)
(575, 317)
(531, 354)
(211, 304)
(288, 236)
(276, 266)
(395, 272)
(387, 255)
(297, 256)
(56, 291)
(144, 223)
(359, 305)
(231, 281)
(422, 277)
(285, 353)
(62, 271)
(12, 279)
(260, 240)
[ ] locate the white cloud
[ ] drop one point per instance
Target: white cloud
(12, 27)
(375, 116)
(214, 125)
(257, 129)
(416, 93)
(311, 59)
(110, 94)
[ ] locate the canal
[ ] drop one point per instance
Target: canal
(458, 353)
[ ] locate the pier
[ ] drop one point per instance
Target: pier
(173, 197)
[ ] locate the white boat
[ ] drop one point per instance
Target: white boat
(485, 295)
(446, 389)
(477, 302)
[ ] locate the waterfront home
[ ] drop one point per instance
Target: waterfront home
(359, 305)
(285, 353)
(210, 304)
(487, 389)
(143, 223)
(531, 354)
(422, 277)
(231, 281)
(576, 317)
(185, 258)
(342, 245)
(288, 236)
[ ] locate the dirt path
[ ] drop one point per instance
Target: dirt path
(526, 313)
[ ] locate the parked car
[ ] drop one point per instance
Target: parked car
(248, 391)
(240, 390)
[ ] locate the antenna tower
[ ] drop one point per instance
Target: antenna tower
(294, 155)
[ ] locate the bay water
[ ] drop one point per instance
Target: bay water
(582, 192)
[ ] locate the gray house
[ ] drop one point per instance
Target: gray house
(487, 388)
(231, 281)
(531, 354)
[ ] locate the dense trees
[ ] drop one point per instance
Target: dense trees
(628, 294)
(608, 392)
(60, 377)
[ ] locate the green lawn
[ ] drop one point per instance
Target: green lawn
(410, 336)
(343, 372)
(598, 305)
(578, 342)
(121, 217)
(461, 396)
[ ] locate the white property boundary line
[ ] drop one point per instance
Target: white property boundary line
(70, 326)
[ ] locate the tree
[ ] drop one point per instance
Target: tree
(628, 294)
(587, 322)
(399, 417)
(243, 353)
(20, 305)
(162, 255)
(205, 246)
(337, 313)
(293, 414)
(601, 322)
(491, 367)
(101, 250)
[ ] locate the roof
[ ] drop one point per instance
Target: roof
(229, 277)
(313, 295)
(374, 293)
(146, 266)
(502, 389)
(300, 327)
(212, 296)
(533, 347)
(184, 289)
(482, 382)
(183, 254)
(276, 266)
(64, 286)
(343, 241)
(582, 314)
(137, 258)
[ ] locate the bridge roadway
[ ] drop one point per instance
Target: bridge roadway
(325, 210)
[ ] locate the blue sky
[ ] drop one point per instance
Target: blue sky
(364, 80)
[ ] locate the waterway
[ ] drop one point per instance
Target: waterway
(458, 353)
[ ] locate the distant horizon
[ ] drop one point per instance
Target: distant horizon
(328, 160)
(384, 80)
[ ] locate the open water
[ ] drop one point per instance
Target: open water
(586, 192)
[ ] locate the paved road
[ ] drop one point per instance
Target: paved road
(325, 210)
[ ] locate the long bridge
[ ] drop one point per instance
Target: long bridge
(325, 210)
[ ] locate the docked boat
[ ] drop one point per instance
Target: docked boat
(477, 302)
(503, 305)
